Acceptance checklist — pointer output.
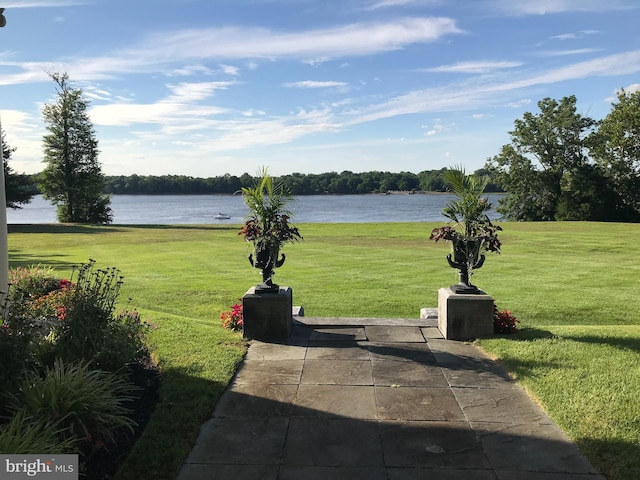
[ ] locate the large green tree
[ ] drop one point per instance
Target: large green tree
(616, 149)
(19, 188)
(546, 168)
(72, 179)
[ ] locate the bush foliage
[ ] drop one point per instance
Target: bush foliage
(65, 354)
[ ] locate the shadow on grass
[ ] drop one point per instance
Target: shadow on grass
(19, 259)
(60, 228)
(186, 402)
(211, 227)
(114, 228)
(623, 343)
(619, 458)
(529, 333)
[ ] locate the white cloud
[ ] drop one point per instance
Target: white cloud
(544, 7)
(564, 53)
(315, 84)
(474, 67)
(189, 70)
(401, 3)
(159, 50)
(230, 70)
(43, 3)
(519, 103)
(193, 92)
(475, 93)
(24, 133)
(174, 110)
(565, 36)
(438, 127)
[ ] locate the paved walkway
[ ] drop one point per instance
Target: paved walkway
(351, 399)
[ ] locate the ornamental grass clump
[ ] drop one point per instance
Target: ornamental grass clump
(88, 407)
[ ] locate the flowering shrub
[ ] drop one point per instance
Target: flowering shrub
(65, 355)
(232, 319)
(74, 319)
(504, 321)
(32, 282)
(52, 305)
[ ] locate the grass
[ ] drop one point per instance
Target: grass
(572, 285)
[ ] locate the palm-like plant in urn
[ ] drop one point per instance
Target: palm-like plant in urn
(470, 231)
(267, 226)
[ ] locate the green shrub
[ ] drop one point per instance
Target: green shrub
(86, 405)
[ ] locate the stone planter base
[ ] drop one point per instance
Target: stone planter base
(464, 316)
(267, 316)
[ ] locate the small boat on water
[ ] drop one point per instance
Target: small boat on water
(222, 216)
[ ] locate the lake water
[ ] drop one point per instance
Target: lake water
(202, 209)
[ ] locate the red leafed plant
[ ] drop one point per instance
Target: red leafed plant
(504, 321)
(232, 319)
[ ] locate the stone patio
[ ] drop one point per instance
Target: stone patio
(378, 399)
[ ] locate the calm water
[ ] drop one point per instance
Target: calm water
(202, 209)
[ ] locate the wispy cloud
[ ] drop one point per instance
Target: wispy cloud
(43, 3)
(216, 130)
(544, 7)
(475, 93)
(574, 36)
(564, 53)
(177, 108)
(474, 67)
(161, 51)
(315, 84)
(355, 39)
(400, 3)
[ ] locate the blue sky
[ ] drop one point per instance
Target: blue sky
(208, 87)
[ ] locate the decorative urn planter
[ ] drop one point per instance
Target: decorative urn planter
(267, 307)
(266, 259)
(466, 258)
(470, 231)
(465, 311)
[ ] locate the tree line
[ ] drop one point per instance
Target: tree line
(559, 165)
(346, 183)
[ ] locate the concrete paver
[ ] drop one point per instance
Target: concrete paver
(374, 399)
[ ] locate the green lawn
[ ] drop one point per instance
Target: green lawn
(572, 285)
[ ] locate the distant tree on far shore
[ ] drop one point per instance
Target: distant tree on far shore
(344, 183)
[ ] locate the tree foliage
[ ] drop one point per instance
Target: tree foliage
(18, 187)
(616, 148)
(547, 170)
(72, 179)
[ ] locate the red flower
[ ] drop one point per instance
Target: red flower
(504, 321)
(232, 319)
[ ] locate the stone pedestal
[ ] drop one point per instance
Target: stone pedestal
(267, 316)
(464, 316)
